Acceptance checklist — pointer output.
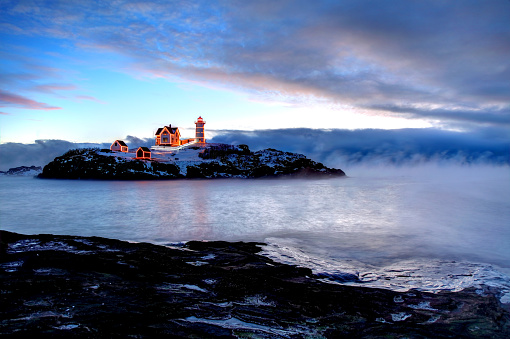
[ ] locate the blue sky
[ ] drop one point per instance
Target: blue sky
(95, 71)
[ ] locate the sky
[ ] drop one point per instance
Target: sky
(431, 74)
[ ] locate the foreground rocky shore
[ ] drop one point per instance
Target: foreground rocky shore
(66, 286)
(203, 161)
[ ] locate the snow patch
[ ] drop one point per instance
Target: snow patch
(197, 263)
(67, 327)
(259, 300)
(401, 316)
(424, 305)
(181, 288)
(10, 267)
(194, 288)
(433, 319)
(237, 324)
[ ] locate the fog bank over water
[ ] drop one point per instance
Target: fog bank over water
(42, 152)
(437, 173)
(441, 211)
(335, 148)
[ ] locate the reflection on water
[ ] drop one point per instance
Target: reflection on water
(371, 220)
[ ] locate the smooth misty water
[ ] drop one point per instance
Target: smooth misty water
(428, 228)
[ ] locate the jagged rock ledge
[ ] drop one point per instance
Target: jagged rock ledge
(82, 287)
(209, 161)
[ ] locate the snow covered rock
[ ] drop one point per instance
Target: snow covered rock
(93, 164)
(202, 161)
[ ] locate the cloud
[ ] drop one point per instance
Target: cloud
(13, 100)
(24, 76)
(337, 148)
(496, 116)
(38, 154)
(381, 147)
(88, 97)
(43, 151)
(134, 142)
(52, 88)
(398, 56)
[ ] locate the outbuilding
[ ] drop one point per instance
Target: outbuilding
(143, 153)
(119, 145)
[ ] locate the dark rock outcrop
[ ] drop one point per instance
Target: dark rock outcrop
(239, 161)
(214, 161)
(67, 286)
(89, 164)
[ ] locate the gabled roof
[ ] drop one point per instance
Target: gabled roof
(169, 128)
(122, 143)
(145, 149)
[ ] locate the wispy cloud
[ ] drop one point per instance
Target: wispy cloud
(486, 115)
(88, 97)
(13, 100)
(53, 88)
(25, 77)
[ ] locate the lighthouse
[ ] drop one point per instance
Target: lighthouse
(199, 134)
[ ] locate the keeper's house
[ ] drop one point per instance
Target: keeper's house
(168, 136)
(119, 146)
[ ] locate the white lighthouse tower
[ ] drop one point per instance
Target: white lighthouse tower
(199, 134)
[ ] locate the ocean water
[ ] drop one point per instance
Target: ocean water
(431, 228)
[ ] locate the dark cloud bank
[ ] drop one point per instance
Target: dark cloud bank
(43, 151)
(383, 147)
(340, 148)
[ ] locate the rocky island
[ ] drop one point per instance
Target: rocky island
(187, 161)
(83, 287)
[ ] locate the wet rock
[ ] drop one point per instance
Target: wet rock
(67, 286)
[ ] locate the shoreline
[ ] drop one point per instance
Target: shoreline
(91, 286)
